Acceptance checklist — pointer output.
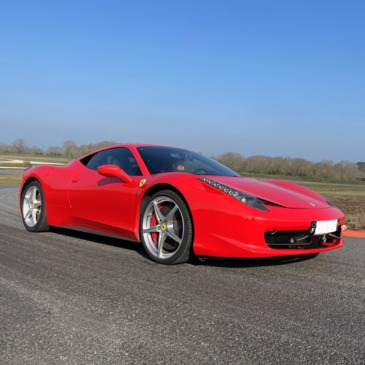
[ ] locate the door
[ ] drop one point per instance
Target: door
(106, 204)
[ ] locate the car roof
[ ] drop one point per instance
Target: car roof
(132, 146)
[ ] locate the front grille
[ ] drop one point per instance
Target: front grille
(299, 239)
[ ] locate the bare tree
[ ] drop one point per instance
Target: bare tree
(70, 149)
(233, 160)
(20, 145)
(361, 166)
(54, 151)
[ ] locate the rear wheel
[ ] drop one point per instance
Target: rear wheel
(166, 228)
(34, 208)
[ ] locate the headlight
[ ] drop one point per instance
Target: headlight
(244, 198)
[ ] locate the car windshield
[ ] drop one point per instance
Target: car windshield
(168, 159)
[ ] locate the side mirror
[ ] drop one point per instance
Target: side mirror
(114, 171)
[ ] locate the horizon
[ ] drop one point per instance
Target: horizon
(94, 147)
(275, 79)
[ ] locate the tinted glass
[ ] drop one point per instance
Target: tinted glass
(121, 157)
(168, 159)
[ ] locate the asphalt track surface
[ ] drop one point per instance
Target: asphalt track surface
(71, 298)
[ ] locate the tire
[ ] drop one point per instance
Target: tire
(34, 208)
(166, 228)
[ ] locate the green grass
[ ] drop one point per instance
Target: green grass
(27, 158)
(10, 179)
(18, 165)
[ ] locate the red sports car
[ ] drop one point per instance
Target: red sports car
(178, 203)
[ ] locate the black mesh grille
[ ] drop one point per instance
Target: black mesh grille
(298, 239)
(287, 237)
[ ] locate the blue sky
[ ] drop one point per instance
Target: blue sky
(257, 77)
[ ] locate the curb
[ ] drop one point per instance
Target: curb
(354, 233)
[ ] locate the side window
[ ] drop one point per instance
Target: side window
(121, 157)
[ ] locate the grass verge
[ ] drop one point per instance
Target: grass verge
(10, 179)
(347, 197)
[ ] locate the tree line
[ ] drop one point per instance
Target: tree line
(256, 165)
(286, 166)
(68, 150)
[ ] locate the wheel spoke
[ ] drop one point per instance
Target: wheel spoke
(27, 199)
(28, 214)
(34, 216)
(34, 195)
(172, 235)
(154, 229)
(161, 242)
(171, 213)
(159, 216)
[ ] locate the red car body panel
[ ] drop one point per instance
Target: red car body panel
(80, 198)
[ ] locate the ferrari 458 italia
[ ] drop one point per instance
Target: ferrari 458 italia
(178, 203)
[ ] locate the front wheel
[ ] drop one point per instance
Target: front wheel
(166, 228)
(34, 208)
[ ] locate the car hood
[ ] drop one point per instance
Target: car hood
(280, 195)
